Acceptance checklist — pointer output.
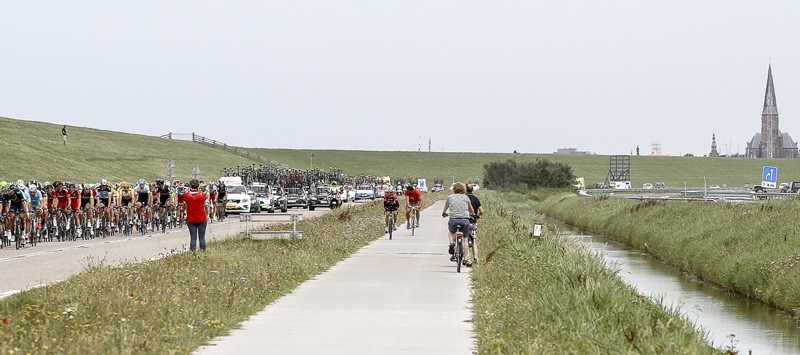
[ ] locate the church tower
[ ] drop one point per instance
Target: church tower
(770, 133)
(714, 152)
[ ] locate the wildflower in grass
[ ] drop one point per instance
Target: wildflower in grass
(5, 321)
(132, 295)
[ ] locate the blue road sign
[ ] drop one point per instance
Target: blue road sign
(769, 178)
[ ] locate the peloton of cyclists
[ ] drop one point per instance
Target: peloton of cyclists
(14, 203)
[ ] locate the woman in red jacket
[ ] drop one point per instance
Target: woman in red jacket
(196, 215)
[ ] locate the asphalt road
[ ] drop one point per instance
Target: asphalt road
(51, 262)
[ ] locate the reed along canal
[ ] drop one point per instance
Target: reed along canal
(756, 326)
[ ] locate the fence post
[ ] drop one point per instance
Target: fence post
(193, 140)
(169, 135)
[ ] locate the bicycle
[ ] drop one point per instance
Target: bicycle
(413, 219)
(390, 223)
(458, 248)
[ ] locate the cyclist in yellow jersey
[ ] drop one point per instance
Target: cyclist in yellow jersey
(125, 200)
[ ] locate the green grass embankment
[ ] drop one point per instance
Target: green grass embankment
(33, 150)
(752, 248)
(673, 171)
(550, 296)
(177, 303)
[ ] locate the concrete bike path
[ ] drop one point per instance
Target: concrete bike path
(392, 296)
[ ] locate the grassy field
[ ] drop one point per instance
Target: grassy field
(550, 296)
(177, 303)
(33, 150)
(749, 248)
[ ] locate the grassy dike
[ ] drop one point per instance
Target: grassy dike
(551, 296)
(177, 303)
(752, 249)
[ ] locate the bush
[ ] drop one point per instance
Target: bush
(541, 173)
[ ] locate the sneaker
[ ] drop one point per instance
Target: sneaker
(417, 225)
(451, 249)
(466, 263)
(408, 225)
(386, 229)
(395, 227)
(452, 258)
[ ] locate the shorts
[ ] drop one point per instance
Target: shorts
(416, 204)
(16, 208)
(392, 208)
(125, 202)
(464, 222)
(83, 204)
(104, 201)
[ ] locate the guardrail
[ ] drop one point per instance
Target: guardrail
(261, 233)
(219, 145)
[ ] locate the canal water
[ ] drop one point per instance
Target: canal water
(756, 327)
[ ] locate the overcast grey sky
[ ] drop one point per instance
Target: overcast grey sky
(534, 76)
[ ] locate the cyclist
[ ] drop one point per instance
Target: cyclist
(413, 199)
(390, 205)
(104, 199)
(473, 226)
(14, 204)
(162, 197)
(460, 211)
(180, 193)
(87, 204)
(75, 203)
(211, 192)
(143, 198)
(125, 200)
(222, 197)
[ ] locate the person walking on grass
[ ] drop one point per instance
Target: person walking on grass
(64, 134)
(196, 215)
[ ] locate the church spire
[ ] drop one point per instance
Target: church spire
(770, 104)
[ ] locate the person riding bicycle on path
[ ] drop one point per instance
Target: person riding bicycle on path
(413, 199)
(473, 228)
(14, 204)
(391, 203)
(460, 212)
(222, 196)
(104, 198)
(162, 196)
(143, 198)
(74, 202)
(87, 204)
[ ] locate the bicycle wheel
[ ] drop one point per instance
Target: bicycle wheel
(390, 225)
(458, 254)
(413, 222)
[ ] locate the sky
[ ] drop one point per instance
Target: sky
(476, 76)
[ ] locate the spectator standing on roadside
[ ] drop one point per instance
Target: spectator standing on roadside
(64, 134)
(196, 215)
(477, 209)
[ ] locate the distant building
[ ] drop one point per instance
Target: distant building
(771, 142)
(570, 151)
(714, 152)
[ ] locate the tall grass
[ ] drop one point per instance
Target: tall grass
(175, 304)
(752, 248)
(552, 296)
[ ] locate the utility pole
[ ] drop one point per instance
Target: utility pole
(429, 145)
(196, 172)
(419, 146)
(170, 168)
(311, 164)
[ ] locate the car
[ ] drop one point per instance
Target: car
(784, 187)
(364, 192)
(661, 185)
(437, 188)
(714, 187)
(290, 197)
(321, 197)
(240, 199)
(759, 188)
(264, 196)
(647, 186)
(794, 188)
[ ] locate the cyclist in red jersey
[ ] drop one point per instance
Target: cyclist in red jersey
(62, 196)
(413, 199)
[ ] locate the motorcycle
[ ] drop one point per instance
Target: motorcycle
(336, 201)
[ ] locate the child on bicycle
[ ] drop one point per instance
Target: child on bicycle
(390, 205)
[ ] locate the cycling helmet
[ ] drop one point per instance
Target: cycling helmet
(103, 182)
(124, 185)
(58, 183)
(142, 182)
(71, 185)
(20, 183)
(160, 181)
(47, 185)
(33, 183)
(33, 188)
